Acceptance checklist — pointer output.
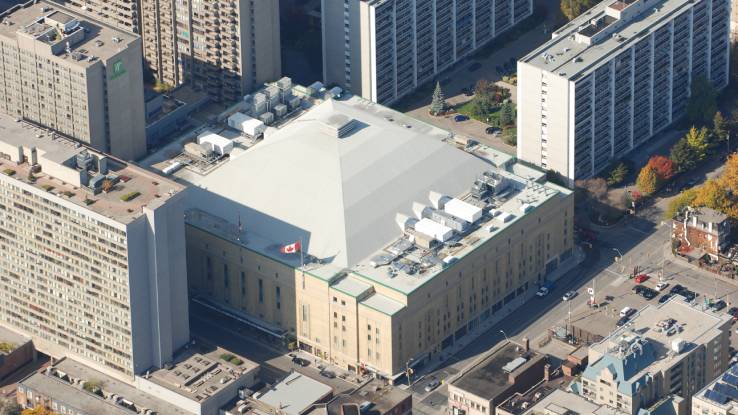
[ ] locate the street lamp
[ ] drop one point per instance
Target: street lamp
(506, 338)
(620, 254)
(408, 371)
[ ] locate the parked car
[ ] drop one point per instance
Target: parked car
(327, 374)
(626, 312)
(569, 295)
(432, 385)
(677, 289)
(460, 117)
(664, 298)
(622, 321)
(733, 311)
(641, 278)
(661, 286)
(542, 292)
(648, 293)
(688, 295)
(492, 130)
(300, 361)
(718, 305)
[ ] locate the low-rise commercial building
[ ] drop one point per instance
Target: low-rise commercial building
(295, 394)
(614, 77)
(367, 237)
(669, 349)
(200, 383)
(92, 262)
(507, 370)
(70, 387)
(16, 350)
(74, 75)
(384, 400)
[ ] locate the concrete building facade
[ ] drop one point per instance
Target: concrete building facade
(383, 50)
(74, 75)
(374, 286)
(614, 77)
(226, 49)
(91, 253)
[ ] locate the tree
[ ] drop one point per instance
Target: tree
(720, 127)
(617, 174)
(107, 185)
(438, 104)
(698, 141)
(663, 167)
(683, 199)
(711, 194)
(38, 410)
(648, 180)
(8, 407)
(729, 178)
(683, 155)
(596, 188)
(507, 114)
(702, 103)
(573, 8)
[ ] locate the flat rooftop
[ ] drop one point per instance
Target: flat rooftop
(645, 344)
(11, 338)
(560, 402)
(383, 397)
(295, 394)
(61, 382)
(566, 55)
(489, 378)
(349, 179)
(89, 41)
(723, 391)
(199, 377)
(59, 154)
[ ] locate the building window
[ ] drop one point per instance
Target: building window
(243, 284)
(261, 291)
(279, 298)
(225, 275)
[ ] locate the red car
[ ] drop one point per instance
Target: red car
(640, 278)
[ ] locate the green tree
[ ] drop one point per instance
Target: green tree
(438, 104)
(507, 114)
(699, 142)
(682, 200)
(702, 103)
(617, 174)
(573, 8)
(683, 155)
(720, 127)
(648, 180)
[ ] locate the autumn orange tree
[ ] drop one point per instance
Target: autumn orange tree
(729, 178)
(38, 410)
(663, 166)
(648, 180)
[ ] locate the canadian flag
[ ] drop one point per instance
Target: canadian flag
(291, 248)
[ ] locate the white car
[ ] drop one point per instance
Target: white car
(626, 312)
(660, 286)
(569, 295)
(542, 292)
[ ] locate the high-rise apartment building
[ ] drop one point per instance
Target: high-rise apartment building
(226, 48)
(91, 253)
(671, 349)
(614, 77)
(73, 75)
(383, 49)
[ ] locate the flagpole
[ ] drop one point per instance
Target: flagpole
(302, 265)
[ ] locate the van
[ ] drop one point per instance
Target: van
(626, 312)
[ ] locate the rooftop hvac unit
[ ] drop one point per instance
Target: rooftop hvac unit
(505, 217)
(526, 207)
(440, 232)
(84, 160)
(247, 125)
(444, 218)
(280, 110)
(463, 210)
(260, 98)
(294, 103)
(420, 210)
(284, 83)
(438, 200)
(677, 345)
(216, 143)
(267, 118)
(271, 91)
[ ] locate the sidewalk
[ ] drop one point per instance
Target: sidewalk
(484, 327)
